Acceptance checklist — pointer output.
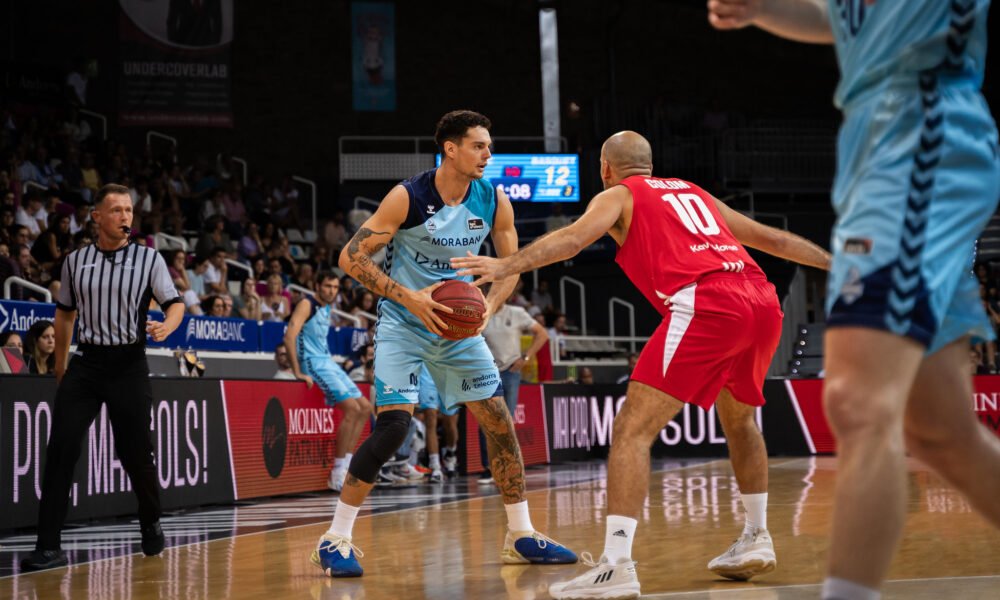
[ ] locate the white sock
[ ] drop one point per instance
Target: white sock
(434, 461)
(618, 536)
(343, 520)
(347, 458)
(835, 588)
(518, 518)
(756, 507)
(339, 463)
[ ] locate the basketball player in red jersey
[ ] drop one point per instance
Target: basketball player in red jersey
(721, 322)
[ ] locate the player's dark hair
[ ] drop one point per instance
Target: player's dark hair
(453, 126)
(324, 275)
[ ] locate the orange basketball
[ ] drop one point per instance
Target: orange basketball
(467, 302)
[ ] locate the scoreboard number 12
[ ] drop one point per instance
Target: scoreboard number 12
(557, 176)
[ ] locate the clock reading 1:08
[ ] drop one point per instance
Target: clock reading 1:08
(535, 177)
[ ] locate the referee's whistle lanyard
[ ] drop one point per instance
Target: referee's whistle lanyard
(110, 254)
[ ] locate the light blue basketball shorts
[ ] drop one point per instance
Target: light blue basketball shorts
(428, 396)
(918, 178)
(330, 378)
(462, 370)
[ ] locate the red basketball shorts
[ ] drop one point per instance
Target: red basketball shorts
(720, 333)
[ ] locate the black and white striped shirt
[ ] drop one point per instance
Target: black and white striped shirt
(111, 291)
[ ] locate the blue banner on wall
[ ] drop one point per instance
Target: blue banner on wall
(212, 333)
(197, 333)
(373, 56)
(344, 341)
(272, 333)
(19, 316)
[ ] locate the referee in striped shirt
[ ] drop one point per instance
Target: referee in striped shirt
(108, 285)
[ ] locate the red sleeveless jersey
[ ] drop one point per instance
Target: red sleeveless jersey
(677, 236)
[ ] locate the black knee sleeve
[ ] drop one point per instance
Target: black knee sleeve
(390, 430)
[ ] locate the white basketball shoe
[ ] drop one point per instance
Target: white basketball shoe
(751, 555)
(604, 581)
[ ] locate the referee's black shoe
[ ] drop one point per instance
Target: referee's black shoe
(44, 559)
(152, 539)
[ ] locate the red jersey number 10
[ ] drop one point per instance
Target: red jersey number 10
(693, 213)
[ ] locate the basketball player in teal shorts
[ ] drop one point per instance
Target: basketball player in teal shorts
(918, 177)
(433, 407)
(422, 223)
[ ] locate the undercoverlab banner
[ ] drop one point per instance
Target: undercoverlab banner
(373, 56)
(189, 445)
(176, 63)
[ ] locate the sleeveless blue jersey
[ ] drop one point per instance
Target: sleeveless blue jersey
(895, 39)
(420, 252)
(312, 340)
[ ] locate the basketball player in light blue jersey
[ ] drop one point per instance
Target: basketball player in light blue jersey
(433, 407)
(309, 353)
(422, 223)
(918, 177)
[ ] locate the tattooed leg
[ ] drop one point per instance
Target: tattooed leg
(355, 491)
(501, 444)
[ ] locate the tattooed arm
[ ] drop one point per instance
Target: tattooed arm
(505, 243)
(602, 216)
(375, 234)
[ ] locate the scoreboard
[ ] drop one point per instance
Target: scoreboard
(535, 177)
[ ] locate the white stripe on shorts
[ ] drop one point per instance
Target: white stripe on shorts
(682, 307)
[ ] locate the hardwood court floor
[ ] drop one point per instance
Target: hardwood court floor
(451, 549)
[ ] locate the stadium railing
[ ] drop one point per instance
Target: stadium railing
(20, 282)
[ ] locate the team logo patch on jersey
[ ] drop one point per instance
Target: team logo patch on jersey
(431, 226)
(853, 287)
(475, 224)
(430, 209)
(858, 246)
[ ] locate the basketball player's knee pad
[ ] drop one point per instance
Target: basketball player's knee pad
(391, 428)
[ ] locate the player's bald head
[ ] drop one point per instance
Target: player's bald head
(628, 151)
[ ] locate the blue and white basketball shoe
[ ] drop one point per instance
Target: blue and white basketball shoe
(336, 556)
(521, 547)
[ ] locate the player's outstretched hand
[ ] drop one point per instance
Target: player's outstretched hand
(484, 268)
(733, 14)
(421, 304)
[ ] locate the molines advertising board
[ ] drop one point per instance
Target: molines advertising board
(282, 435)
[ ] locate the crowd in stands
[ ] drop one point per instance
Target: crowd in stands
(53, 165)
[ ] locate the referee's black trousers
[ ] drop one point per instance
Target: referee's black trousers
(119, 377)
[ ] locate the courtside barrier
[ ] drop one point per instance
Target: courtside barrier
(219, 441)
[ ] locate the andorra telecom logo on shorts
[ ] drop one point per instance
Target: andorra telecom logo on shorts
(274, 437)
